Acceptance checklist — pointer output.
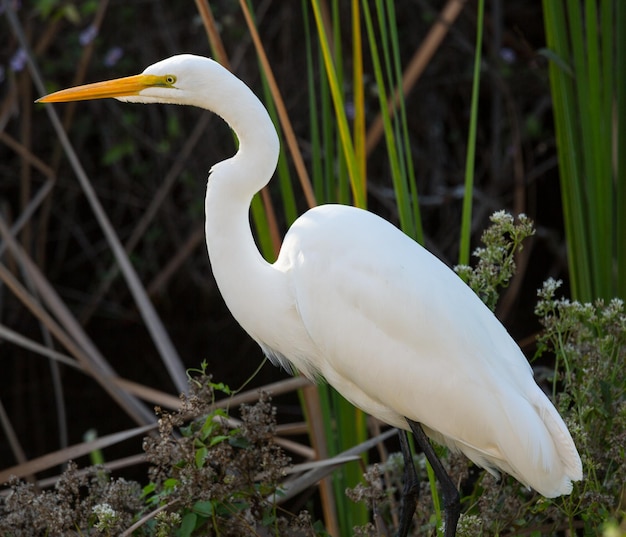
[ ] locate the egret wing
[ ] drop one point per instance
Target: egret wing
(400, 335)
(382, 311)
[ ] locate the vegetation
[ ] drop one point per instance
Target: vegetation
(105, 277)
(586, 46)
(207, 477)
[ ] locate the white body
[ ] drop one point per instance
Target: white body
(353, 299)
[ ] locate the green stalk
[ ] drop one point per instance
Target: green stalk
(434, 494)
(569, 158)
(586, 45)
(466, 218)
(358, 127)
(261, 225)
(258, 209)
(395, 131)
(317, 169)
(418, 233)
(340, 113)
(619, 156)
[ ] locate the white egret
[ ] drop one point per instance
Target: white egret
(355, 301)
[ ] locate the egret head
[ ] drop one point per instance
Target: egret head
(196, 81)
(179, 80)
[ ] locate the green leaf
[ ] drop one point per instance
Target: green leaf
(468, 197)
(269, 517)
(207, 427)
(170, 483)
(218, 439)
(186, 430)
(204, 508)
(239, 441)
(558, 60)
(188, 525)
(221, 387)
(148, 489)
(201, 456)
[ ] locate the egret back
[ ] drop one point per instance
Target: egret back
(400, 335)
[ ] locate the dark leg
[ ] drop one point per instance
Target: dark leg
(411, 489)
(451, 498)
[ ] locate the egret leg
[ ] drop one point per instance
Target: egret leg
(411, 489)
(451, 497)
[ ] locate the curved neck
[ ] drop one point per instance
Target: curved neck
(254, 163)
(244, 278)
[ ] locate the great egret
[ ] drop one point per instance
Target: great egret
(355, 301)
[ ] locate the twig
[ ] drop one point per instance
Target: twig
(79, 344)
(285, 122)
(164, 345)
(146, 518)
(72, 452)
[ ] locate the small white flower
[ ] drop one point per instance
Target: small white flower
(106, 515)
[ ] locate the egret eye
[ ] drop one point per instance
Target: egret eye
(170, 80)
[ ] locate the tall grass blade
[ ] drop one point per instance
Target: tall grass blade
(618, 159)
(388, 74)
(589, 124)
(404, 137)
(466, 218)
(358, 123)
(347, 144)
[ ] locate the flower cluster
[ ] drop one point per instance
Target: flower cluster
(496, 259)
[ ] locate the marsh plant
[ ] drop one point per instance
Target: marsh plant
(207, 477)
(496, 257)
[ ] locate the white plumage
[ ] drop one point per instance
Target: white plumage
(353, 299)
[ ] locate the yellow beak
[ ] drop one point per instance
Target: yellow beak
(120, 87)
